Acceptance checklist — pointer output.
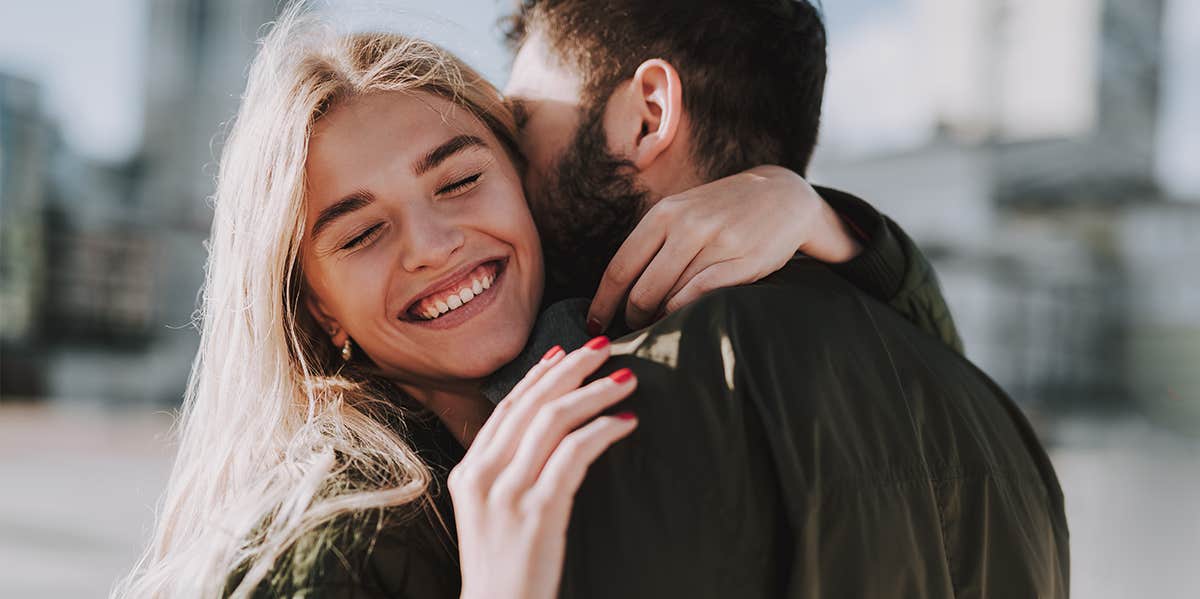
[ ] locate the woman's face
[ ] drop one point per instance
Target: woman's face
(418, 244)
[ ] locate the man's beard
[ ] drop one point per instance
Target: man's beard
(590, 203)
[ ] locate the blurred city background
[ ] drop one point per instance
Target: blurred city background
(1045, 154)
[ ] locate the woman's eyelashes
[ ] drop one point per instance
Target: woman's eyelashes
(460, 185)
(363, 238)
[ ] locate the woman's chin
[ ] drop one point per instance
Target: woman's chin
(471, 370)
(485, 357)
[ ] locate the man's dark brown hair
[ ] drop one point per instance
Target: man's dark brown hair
(753, 71)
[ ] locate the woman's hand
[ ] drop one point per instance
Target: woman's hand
(728, 232)
(514, 489)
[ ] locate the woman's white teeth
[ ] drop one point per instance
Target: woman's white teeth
(454, 301)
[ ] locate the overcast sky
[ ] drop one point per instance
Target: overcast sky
(885, 90)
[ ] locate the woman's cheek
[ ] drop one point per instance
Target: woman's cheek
(519, 221)
(363, 283)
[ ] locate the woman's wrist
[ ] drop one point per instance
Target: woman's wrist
(833, 241)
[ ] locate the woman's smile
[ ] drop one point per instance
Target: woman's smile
(466, 295)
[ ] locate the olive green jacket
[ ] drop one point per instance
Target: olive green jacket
(892, 268)
(797, 438)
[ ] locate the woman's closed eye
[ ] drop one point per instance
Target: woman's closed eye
(460, 185)
(363, 238)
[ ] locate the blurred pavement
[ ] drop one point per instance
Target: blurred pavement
(80, 487)
(77, 498)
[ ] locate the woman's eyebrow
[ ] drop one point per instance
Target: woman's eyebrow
(340, 208)
(439, 154)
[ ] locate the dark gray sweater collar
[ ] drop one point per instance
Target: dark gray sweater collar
(562, 323)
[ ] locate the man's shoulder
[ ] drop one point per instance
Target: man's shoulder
(802, 296)
(805, 288)
(803, 314)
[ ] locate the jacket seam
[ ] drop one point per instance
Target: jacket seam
(917, 475)
(924, 461)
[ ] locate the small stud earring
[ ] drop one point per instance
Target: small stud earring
(346, 350)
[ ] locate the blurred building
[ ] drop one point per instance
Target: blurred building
(102, 262)
(24, 156)
(1035, 194)
(1063, 260)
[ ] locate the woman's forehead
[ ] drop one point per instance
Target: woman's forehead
(378, 132)
(404, 117)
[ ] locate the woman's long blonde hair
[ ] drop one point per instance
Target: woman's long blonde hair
(278, 437)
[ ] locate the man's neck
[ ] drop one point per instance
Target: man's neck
(668, 182)
(674, 171)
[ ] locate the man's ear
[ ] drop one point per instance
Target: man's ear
(329, 325)
(655, 105)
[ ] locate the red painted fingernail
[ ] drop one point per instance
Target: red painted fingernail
(597, 343)
(553, 352)
(593, 327)
(625, 415)
(621, 375)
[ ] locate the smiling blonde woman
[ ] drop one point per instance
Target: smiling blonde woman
(280, 437)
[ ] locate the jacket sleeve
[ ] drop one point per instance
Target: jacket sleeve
(892, 268)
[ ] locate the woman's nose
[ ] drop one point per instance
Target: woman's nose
(429, 240)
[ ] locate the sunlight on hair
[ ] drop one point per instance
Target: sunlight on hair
(279, 440)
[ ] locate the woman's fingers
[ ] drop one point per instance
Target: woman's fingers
(564, 471)
(626, 266)
(650, 291)
(715, 276)
(559, 379)
(488, 430)
(554, 421)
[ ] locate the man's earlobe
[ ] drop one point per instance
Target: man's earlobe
(659, 96)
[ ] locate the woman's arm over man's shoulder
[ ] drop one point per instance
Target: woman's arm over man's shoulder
(892, 269)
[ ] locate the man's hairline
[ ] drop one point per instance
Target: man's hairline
(595, 97)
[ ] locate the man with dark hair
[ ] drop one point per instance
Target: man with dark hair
(751, 76)
(754, 70)
(754, 75)
(797, 437)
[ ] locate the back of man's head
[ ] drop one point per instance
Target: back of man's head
(752, 71)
